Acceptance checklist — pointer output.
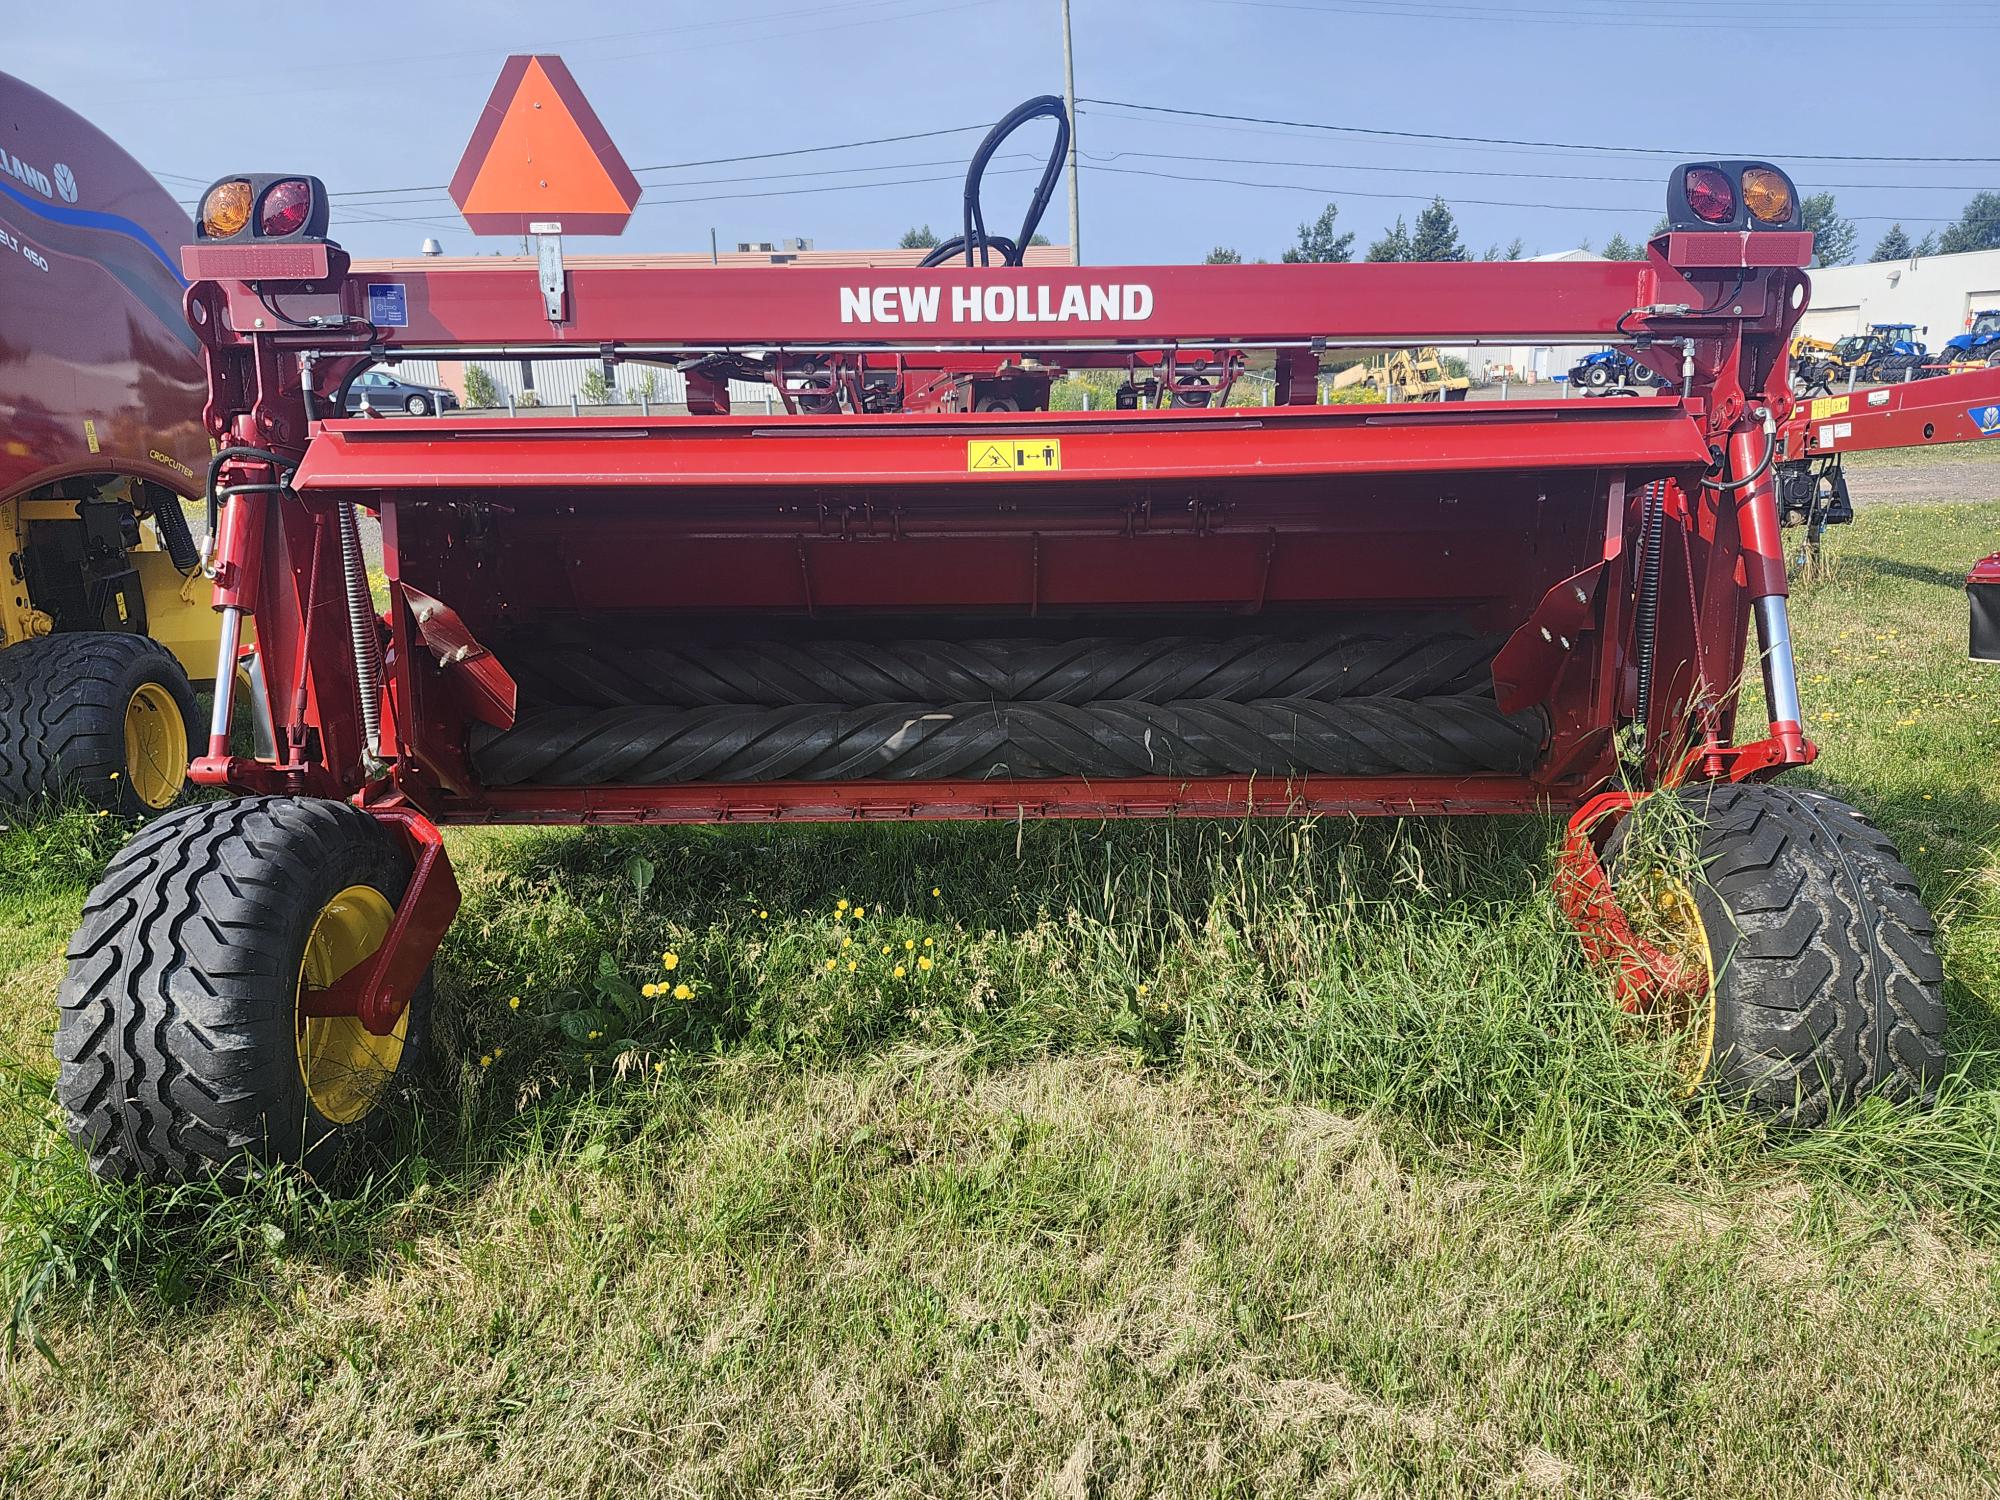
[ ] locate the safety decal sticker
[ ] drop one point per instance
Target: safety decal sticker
(388, 304)
(1986, 419)
(1012, 455)
(1828, 406)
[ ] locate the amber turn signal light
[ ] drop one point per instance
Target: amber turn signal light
(225, 208)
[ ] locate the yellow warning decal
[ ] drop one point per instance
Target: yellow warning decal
(1012, 455)
(1828, 406)
(90, 433)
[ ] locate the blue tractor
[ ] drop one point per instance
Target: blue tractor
(1979, 344)
(1612, 370)
(1888, 353)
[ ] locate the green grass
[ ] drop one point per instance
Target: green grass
(1206, 1159)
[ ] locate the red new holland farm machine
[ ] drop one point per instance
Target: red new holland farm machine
(892, 604)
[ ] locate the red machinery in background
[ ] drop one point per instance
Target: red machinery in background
(878, 612)
(1963, 408)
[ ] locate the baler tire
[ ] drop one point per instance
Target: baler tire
(75, 711)
(1370, 661)
(650, 746)
(1825, 985)
(180, 1049)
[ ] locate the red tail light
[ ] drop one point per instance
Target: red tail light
(1711, 195)
(286, 206)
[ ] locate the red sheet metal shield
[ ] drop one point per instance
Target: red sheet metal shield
(540, 155)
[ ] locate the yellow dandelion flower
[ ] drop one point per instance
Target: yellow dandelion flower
(114, 775)
(659, 1067)
(901, 971)
(486, 1061)
(830, 964)
(841, 904)
(683, 992)
(1142, 989)
(885, 948)
(927, 942)
(763, 916)
(104, 812)
(649, 990)
(513, 1002)
(847, 942)
(924, 963)
(860, 912)
(670, 961)
(852, 966)
(936, 891)
(499, 1051)
(593, 1036)
(908, 944)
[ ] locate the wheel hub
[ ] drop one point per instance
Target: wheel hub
(156, 745)
(1683, 936)
(346, 1067)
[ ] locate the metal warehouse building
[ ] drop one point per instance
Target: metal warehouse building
(1938, 293)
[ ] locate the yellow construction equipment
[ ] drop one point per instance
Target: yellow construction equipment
(1406, 375)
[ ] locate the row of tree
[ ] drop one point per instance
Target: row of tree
(1435, 236)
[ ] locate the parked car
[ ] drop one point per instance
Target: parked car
(385, 393)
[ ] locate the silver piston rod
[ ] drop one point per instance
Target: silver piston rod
(1781, 672)
(361, 629)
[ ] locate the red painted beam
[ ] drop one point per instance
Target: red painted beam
(576, 453)
(1069, 797)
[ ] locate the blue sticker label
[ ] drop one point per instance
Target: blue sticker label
(1986, 419)
(388, 304)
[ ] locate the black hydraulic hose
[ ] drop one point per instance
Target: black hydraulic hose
(1645, 618)
(1770, 455)
(974, 238)
(214, 497)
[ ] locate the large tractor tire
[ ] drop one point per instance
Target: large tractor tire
(1597, 377)
(182, 1047)
(108, 717)
(1824, 985)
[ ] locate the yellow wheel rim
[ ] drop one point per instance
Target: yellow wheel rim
(1684, 937)
(156, 745)
(345, 1066)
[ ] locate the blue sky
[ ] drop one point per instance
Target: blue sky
(382, 96)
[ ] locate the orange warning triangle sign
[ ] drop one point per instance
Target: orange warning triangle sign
(540, 154)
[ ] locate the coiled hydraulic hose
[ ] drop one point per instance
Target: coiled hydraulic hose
(974, 239)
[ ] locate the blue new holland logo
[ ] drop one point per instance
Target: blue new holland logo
(1986, 419)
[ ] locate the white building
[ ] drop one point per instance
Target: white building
(1938, 293)
(1520, 364)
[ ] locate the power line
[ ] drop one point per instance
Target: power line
(1488, 140)
(678, 166)
(1334, 166)
(843, 187)
(1391, 10)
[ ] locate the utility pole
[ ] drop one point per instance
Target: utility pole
(1069, 104)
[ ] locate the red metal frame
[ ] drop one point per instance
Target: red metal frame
(1915, 414)
(1521, 519)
